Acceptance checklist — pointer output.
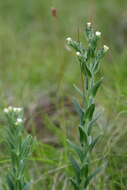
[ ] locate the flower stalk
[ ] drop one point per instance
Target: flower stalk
(89, 59)
(19, 149)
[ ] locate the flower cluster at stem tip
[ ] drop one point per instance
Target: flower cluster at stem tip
(16, 110)
(12, 109)
(97, 33)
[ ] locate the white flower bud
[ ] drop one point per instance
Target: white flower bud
(6, 110)
(17, 109)
(10, 108)
(78, 53)
(106, 48)
(98, 34)
(68, 40)
(88, 24)
(19, 121)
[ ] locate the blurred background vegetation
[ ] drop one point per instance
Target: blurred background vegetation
(37, 72)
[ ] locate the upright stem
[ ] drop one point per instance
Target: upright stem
(19, 149)
(89, 60)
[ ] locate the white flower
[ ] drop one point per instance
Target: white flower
(10, 108)
(17, 109)
(68, 40)
(19, 121)
(14, 109)
(88, 24)
(106, 48)
(78, 53)
(98, 34)
(6, 110)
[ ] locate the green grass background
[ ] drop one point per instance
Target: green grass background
(34, 61)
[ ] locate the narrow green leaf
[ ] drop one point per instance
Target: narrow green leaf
(94, 142)
(10, 183)
(91, 123)
(95, 87)
(27, 186)
(77, 107)
(83, 134)
(90, 111)
(85, 169)
(78, 90)
(76, 148)
(87, 70)
(75, 166)
(88, 180)
(76, 186)
(96, 66)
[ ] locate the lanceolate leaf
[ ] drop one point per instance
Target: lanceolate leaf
(76, 148)
(75, 166)
(10, 182)
(83, 134)
(95, 87)
(94, 142)
(89, 112)
(96, 66)
(27, 186)
(77, 107)
(85, 169)
(88, 180)
(76, 186)
(77, 46)
(78, 90)
(87, 70)
(91, 123)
